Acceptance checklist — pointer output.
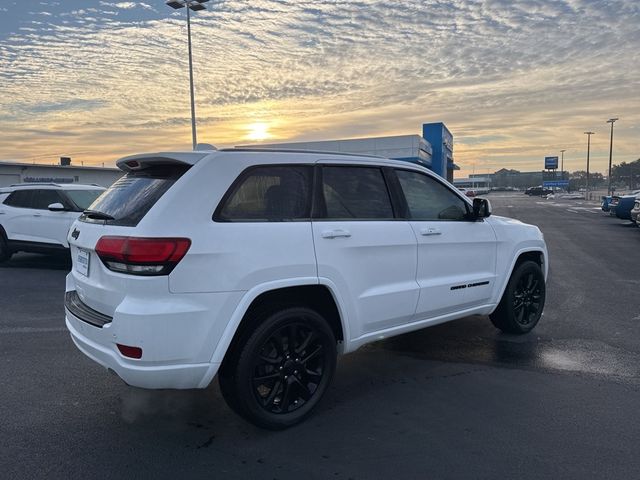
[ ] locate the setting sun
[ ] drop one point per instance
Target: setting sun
(258, 131)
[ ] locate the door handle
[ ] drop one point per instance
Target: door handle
(37, 214)
(430, 231)
(335, 233)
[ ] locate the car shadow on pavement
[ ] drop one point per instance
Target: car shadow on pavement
(383, 370)
(55, 261)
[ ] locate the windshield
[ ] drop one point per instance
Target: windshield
(83, 198)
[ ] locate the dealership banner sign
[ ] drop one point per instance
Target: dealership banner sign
(556, 183)
(48, 179)
(550, 163)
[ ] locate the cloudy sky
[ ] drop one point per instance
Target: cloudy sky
(513, 80)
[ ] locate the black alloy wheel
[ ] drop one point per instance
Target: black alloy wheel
(289, 368)
(277, 373)
(523, 300)
(527, 298)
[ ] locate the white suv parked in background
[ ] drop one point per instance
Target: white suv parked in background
(260, 266)
(35, 217)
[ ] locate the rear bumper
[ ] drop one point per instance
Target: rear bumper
(96, 343)
(623, 214)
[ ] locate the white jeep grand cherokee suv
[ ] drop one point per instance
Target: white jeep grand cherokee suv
(35, 217)
(261, 266)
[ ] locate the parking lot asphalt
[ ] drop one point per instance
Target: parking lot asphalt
(459, 400)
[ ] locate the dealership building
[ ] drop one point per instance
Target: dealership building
(433, 149)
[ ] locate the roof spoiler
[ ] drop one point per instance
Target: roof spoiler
(144, 160)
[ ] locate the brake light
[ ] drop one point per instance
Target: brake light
(141, 256)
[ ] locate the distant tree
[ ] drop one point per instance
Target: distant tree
(578, 179)
(626, 175)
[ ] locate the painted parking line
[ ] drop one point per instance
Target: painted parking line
(587, 209)
(7, 330)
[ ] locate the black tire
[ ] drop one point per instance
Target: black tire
(522, 303)
(278, 373)
(5, 252)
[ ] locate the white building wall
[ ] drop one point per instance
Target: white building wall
(11, 173)
(401, 146)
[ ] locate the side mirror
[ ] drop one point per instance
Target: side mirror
(56, 207)
(481, 208)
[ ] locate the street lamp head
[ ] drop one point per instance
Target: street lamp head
(175, 4)
(589, 133)
(611, 120)
(194, 5)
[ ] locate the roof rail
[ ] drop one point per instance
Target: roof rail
(287, 150)
(35, 183)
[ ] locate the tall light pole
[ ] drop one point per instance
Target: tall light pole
(586, 190)
(611, 121)
(194, 5)
(562, 163)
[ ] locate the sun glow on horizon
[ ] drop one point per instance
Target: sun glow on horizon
(258, 131)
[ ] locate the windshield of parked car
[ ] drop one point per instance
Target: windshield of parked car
(83, 198)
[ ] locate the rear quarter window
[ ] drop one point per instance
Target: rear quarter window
(129, 199)
(20, 199)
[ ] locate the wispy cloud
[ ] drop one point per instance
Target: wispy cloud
(124, 5)
(127, 5)
(514, 80)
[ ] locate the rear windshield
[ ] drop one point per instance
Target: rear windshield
(83, 198)
(128, 200)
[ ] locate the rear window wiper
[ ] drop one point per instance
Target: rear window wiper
(95, 214)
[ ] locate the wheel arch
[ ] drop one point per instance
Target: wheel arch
(537, 255)
(274, 296)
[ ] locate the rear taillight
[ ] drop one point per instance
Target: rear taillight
(142, 256)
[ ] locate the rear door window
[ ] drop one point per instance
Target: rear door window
(270, 193)
(355, 193)
(129, 199)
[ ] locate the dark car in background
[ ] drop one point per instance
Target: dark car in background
(538, 191)
(621, 205)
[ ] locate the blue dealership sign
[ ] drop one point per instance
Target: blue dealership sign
(556, 183)
(550, 163)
